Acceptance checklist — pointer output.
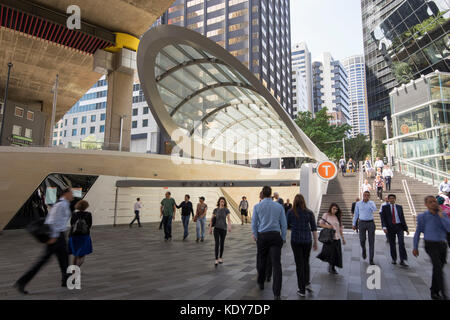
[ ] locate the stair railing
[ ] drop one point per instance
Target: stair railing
(360, 179)
(436, 175)
(411, 205)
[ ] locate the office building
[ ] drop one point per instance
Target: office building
(356, 72)
(330, 88)
(421, 126)
(255, 32)
(403, 39)
(299, 91)
(301, 62)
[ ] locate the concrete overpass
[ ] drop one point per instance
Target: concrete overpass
(35, 38)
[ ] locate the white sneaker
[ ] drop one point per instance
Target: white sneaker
(309, 288)
(301, 294)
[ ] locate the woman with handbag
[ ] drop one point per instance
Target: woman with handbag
(80, 243)
(301, 222)
(221, 215)
(331, 236)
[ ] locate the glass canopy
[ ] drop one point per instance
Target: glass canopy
(216, 106)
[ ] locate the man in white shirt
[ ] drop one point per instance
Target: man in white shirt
(445, 187)
(379, 164)
(388, 175)
(342, 165)
(137, 210)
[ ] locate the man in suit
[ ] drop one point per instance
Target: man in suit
(394, 224)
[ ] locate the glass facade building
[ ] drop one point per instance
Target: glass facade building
(402, 40)
(421, 124)
(356, 72)
(301, 63)
(257, 32)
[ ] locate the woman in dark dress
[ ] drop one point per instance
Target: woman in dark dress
(221, 214)
(80, 243)
(332, 251)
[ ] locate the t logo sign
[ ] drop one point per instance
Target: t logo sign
(74, 20)
(327, 170)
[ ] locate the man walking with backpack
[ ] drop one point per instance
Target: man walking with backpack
(57, 220)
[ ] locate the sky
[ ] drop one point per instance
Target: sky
(328, 25)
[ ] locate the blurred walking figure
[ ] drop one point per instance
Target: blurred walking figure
(379, 164)
(80, 243)
(287, 206)
(269, 231)
(342, 165)
(302, 223)
(394, 225)
(276, 197)
(137, 210)
(370, 171)
(57, 220)
(435, 226)
(221, 215)
(444, 187)
(186, 211)
(332, 251)
(353, 212)
(364, 212)
(378, 185)
(268, 275)
(351, 165)
(366, 186)
(200, 219)
(243, 208)
(168, 208)
(388, 175)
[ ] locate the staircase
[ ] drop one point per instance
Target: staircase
(344, 191)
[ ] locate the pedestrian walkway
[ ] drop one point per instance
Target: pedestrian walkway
(137, 264)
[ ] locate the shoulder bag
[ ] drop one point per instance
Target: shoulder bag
(326, 235)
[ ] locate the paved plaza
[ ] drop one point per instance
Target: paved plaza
(135, 263)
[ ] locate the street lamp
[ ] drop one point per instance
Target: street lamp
(5, 101)
(343, 145)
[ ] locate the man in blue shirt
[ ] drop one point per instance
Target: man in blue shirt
(269, 228)
(364, 212)
(57, 219)
(434, 225)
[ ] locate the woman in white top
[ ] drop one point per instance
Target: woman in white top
(366, 186)
(332, 251)
(369, 168)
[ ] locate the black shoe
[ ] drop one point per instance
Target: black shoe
(184, 238)
(372, 263)
(394, 262)
(276, 298)
(261, 286)
(20, 287)
(403, 264)
(268, 279)
(309, 288)
(202, 240)
(364, 254)
(301, 293)
(436, 296)
(197, 239)
(140, 226)
(443, 296)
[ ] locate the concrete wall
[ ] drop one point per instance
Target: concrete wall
(312, 187)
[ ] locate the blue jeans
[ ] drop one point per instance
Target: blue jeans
(185, 220)
(201, 224)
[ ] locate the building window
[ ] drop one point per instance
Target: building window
(135, 112)
(74, 132)
(93, 118)
(83, 131)
(17, 130)
(145, 123)
(92, 130)
(28, 133)
(30, 115)
(54, 142)
(18, 112)
(65, 122)
(103, 117)
(60, 133)
(83, 119)
(55, 134)
(134, 124)
(102, 128)
(65, 133)
(75, 121)
(145, 110)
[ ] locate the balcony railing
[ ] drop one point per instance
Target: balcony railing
(421, 172)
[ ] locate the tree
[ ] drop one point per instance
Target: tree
(321, 132)
(358, 148)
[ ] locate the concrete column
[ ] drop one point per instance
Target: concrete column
(119, 105)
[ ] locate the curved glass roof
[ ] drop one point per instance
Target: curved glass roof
(218, 107)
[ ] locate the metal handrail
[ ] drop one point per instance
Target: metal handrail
(425, 168)
(409, 200)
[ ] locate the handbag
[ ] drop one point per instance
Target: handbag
(326, 235)
(39, 230)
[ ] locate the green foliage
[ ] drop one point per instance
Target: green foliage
(357, 148)
(320, 131)
(379, 149)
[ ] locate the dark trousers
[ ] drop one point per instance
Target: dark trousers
(219, 237)
(301, 256)
(268, 267)
(59, 248)
(394, 232)
(136, 217)
(343, 170)
(438, 254)
(388, 183)
(380, 192)
(167, 222)
(185, 220)
(369, 227)
(269, 243)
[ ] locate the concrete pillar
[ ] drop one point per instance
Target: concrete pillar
(119, 105)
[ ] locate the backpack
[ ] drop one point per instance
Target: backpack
(80, 228)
